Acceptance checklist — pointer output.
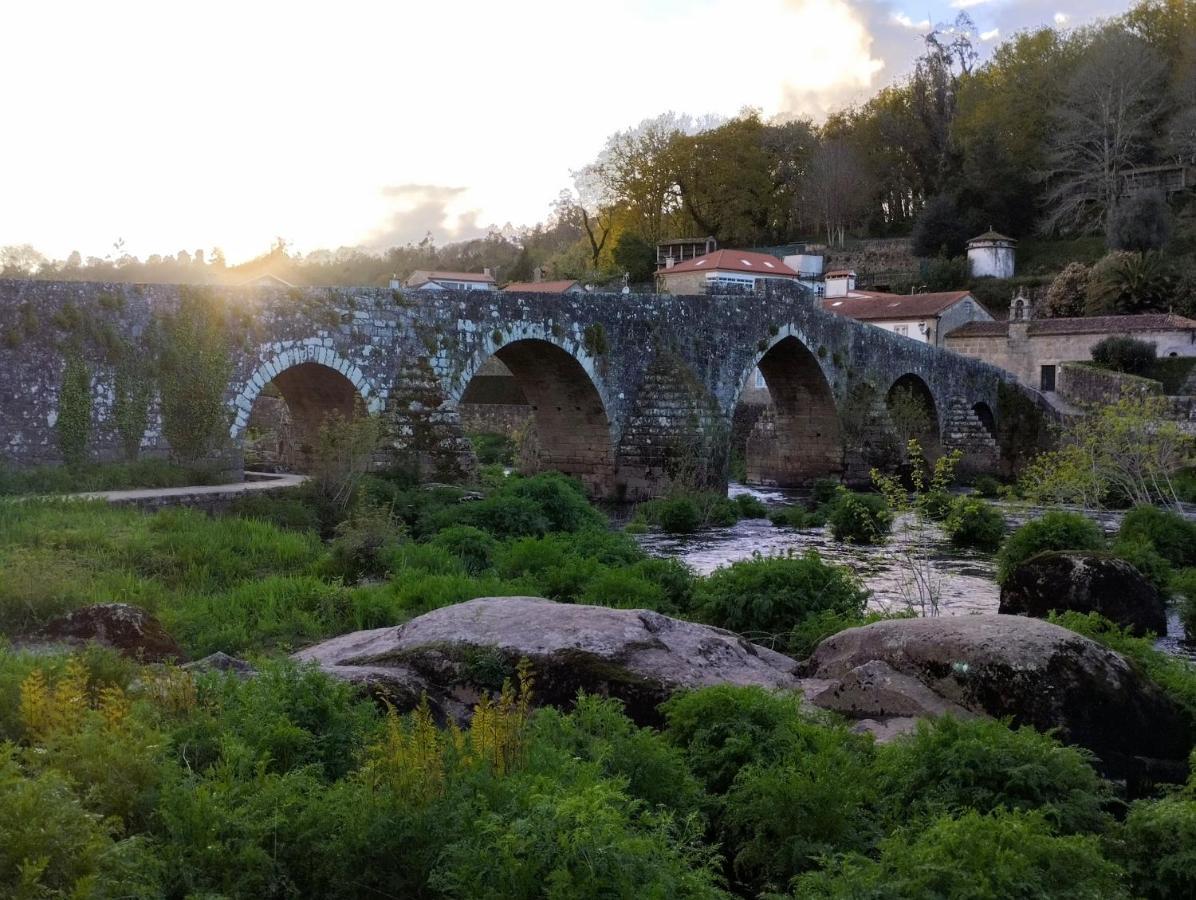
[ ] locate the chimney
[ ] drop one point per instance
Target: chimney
(486, 270)
(668, 262)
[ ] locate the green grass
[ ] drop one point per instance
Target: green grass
(1046, 256)
(146, 473)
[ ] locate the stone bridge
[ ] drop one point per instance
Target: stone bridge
(627, 392)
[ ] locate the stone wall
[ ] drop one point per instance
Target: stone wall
(619, 385)
(1086, 385)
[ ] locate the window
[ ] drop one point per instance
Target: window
(1019, 310)
(717, 280)
(759, 379)
(902, 330)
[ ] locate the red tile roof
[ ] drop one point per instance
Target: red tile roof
(540, 287)
(839, 273)
(1082, 325)
(734, 261)
(871, 306)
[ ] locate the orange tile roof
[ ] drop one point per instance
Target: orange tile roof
(1082, 325)
(540, 287)
(869, 306)
(734, 261)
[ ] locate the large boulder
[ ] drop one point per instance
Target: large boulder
(1085, 582)
(455, 653)
(130, 630)
(1031, 671)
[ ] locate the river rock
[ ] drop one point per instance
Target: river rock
(1085, 582)
(457, 652)
(1031, 671)
(130, 630)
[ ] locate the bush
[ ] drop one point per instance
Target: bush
(987, 487)
(722, 729)
(825, 491)
(948, 765)
(491, 449)
(1066, 295)
(1011, 855)
(1054, 530)
(860, 518)
(790, 517)
(1125, 354)
(1173, 536)
(936, 505)
(767, 598)
(939, 230)
(974, 523)
(677, 515)
(474, 547)
(1125, 283)
(749, 507)
(363, 543)
(1142, 555)
(1157, 847)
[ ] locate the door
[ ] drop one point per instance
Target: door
(1048, 378)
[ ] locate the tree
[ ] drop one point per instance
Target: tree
(1141, 222)
(1068, 292)
(837, 191)
(938, 230)
(635, 256)
(1104, 125)
(1123, 283)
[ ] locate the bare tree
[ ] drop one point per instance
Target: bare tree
(837, 191)
(1104, 126)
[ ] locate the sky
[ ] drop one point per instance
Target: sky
(176, 126)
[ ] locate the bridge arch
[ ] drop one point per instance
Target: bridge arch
(914, 413)
(799, 438)
(314, 382)
(572, 429)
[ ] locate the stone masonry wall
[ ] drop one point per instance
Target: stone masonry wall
(591, 363)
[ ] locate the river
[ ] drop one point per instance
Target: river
(964, 581)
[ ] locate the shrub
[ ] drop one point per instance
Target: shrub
(749, 507)
(1142, 555)
(678, 515)
(1173, 536)
(766, 598)
(825, 491)
(974, 523)
(1157, 847)
(1124, 283)
(623, 589)
(782, 815)
(1054, 530)
(1125, 354)
(937, 505)
(948, 765)
(1011, 855)
(860, 518)
(722, 729)
(790, 517)
(939, 230)
(492, 448)
(362, 544)
(1065, 297)
(290, 508)
(474, 547)
(987, 487)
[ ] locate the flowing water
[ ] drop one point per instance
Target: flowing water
(964, 580)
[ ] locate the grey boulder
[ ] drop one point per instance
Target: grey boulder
(456, 653)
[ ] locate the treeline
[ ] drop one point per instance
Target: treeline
(1036, 140)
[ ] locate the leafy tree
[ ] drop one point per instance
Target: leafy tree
(1122, 283)
(938, 230)
(1140, 223)
(635, 256)
(1068, 292)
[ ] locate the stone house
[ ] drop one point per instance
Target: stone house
(1033, 349)
(921, 317)
(730, 271)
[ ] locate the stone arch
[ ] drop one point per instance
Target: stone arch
(903, 398)
(572, 429)
(799, 437)
(314, 382)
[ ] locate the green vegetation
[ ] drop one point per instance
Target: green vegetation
(74, 411)
(974, 523)
(685, 513)
(146, 473)
(492, 448)
(860, 518)
(1054, 530)
(1125, 354)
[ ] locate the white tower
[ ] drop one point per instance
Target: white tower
(991, 255)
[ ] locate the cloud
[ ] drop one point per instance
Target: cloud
(419, 209)
(1061, 18)
(989, 35)
(966, 4)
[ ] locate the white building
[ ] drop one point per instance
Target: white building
(422, 280)
(991, 255)
(920, 317)
(838, 283)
